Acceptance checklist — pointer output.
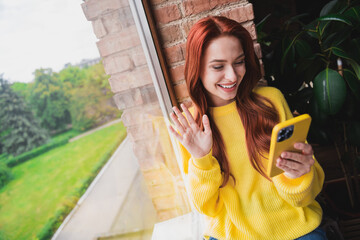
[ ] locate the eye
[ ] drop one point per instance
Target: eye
(240, 62)
(217, 67)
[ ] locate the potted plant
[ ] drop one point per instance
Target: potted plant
(316, 64)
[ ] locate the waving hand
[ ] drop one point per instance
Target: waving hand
(196, 141)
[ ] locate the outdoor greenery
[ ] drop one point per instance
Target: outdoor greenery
(45, 188)
(77, 98)
(19, 130)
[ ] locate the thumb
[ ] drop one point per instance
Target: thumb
(206, 123)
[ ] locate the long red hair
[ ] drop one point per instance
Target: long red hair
(257, 113)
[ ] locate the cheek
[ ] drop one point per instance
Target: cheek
(241, 71)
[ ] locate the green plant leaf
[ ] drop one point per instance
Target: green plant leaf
(289, 48)
(329, 91)
(353, 82)
(303, 49)
(355, 66)
(353, 14)
(336, 17)
(328, 7)
(261, 24)
(341, 53)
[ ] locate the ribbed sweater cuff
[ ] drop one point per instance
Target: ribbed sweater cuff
(205, 162)
(297, 188)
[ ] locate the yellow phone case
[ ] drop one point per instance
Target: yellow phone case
(281, 140)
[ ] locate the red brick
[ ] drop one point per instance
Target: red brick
(138, 56)
(99, 28)
(187, 101)
(249, 11)
(257, 48)
(134, 115)
(217, 3)
(183, 49)
(167, 14)
(94, 8)
(117, 63)
(141, 77)
(113, 43)
(181, 91)
(238, 14)
(130, 79)
(187, 25)
(177, 73)
(154, 2)
(192, 7)
(128, 98)
(140, 131)
(121, 82)
(117, 20)
(174, 54)
(250, 26)
(171, 34)
(135, 97)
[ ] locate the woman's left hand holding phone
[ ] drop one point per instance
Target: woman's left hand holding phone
(198, 142)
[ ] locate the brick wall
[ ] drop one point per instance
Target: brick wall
(134, 92)
(174, 19)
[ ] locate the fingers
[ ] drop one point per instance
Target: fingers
(175, 133)
(293, 169)
(181, 117)
(304, 147)
(206, 123)
(188, 114)
(178, 125)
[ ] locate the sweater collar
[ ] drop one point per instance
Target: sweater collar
(222, 110)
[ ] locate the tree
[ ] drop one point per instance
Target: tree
(49, 98)
(91, 99)
(19, 130)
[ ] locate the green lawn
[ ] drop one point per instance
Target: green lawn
(45, 184)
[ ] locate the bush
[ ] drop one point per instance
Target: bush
(54, 143)
(5, 175)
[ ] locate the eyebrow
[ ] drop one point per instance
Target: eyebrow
(220, 60)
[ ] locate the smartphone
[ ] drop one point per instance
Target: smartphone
(283, 137)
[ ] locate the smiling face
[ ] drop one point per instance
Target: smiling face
(222, 69)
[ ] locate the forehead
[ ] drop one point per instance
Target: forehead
(224, 48)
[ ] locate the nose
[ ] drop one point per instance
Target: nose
(230, 74)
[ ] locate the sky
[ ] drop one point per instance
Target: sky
(43, 34)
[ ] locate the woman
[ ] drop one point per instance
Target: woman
(226, 137)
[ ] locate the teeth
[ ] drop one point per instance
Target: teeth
(227, 86)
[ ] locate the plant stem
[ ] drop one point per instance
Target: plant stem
(356, 174)
(347, 178)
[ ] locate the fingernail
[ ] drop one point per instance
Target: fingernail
(283, 155)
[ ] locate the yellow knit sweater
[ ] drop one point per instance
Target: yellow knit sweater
(253, 208)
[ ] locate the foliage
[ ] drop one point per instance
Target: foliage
(55, 179)
(49, 99)
(90, 103)
(21, 89)
(19, 130)
(316, 65)
(54, 143)
(5, 174)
